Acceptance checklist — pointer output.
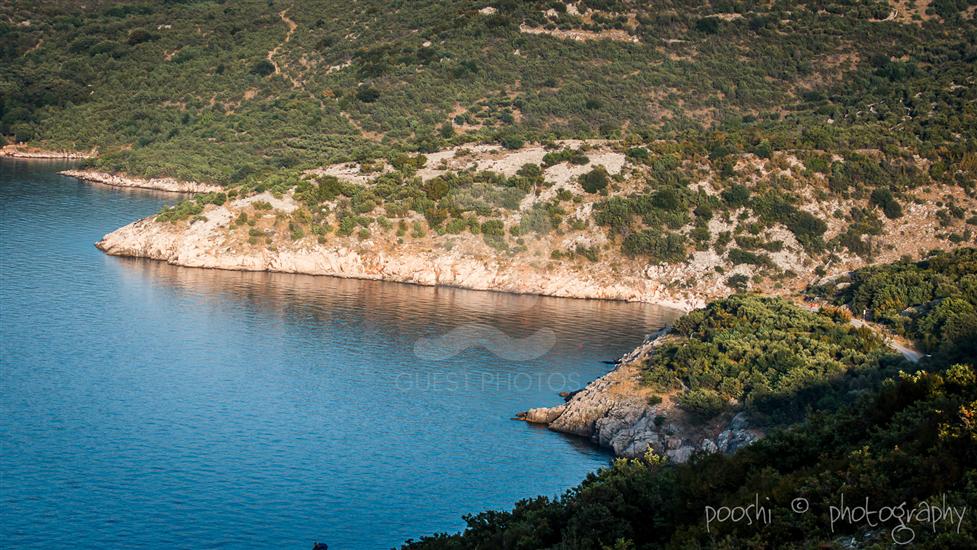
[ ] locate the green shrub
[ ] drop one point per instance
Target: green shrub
(594, 181)
(884, 199)
(657, 247)
(263, 68)
(703, 403)
(367, 94)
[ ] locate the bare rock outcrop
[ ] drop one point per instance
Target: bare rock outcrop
(158, 184)
(213, 240)
(617, 412)
(27, 152)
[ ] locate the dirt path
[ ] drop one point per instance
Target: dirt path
(282, 69)
(372, 136)
(911, 355)
(292, 25)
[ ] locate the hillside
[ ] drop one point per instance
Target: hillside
(610, 150)
(697, 155)
(216, 91)
(843, 416)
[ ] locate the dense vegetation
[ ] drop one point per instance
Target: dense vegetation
(933, 302)
(249, 94)
(214, 90)
(906, 437)
(776, 360)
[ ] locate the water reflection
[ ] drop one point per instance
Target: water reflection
(412, 309)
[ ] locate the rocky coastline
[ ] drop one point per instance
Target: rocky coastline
(156, 184)
(213, 240)
(617, 412)
(23, 152)
(201, 248)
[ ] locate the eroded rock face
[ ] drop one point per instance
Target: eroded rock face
(614, 411)
(212, 240)
(158, 184)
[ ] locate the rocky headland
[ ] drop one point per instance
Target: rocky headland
(214, 240)
(618, 412)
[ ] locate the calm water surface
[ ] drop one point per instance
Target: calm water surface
(148, 405)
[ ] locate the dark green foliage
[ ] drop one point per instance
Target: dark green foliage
(739, 256)
(367, 94)
(775, 358)
(884, 199)
(595, 180)
(703, 403)
(263, 68)
(708, 25)
(932, 302)
(806, 227)
(138, 36)
(573, 156)
(656, 246)
(738, 282)
(736, 196)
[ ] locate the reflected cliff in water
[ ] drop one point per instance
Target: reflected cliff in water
(413, 309)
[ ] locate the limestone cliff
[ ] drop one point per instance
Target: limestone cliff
(215, 240)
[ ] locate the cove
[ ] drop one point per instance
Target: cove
(143, 404)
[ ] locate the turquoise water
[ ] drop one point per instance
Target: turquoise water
(148, 405)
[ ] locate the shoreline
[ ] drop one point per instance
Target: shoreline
(613, 412)
(156, 184)
(22, 152)
(346, 263)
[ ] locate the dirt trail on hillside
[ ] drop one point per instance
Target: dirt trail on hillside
(292, 25)
(911, 355)
(282, 69)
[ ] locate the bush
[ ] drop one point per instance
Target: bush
(511, 141)
(594, 181)
(884, 199)
(493, 227)
(703, 403)
(707, 25)
(138, 36)
(669, 248)
(22, 132)
(738, 282)
(367, 94)
(263, 68)
(736, 196)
